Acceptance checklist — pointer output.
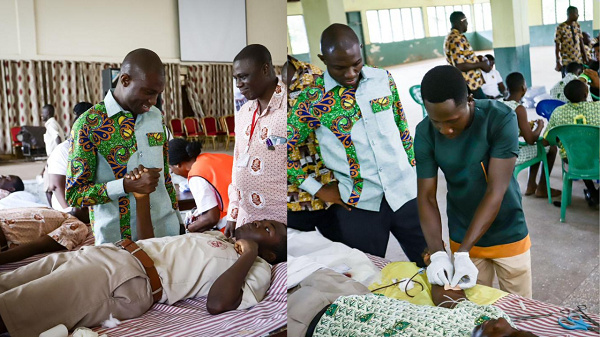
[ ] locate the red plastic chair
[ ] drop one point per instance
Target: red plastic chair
(17, 144)
(192, 129)
(211, 131)
(228, 124)
(177, 128)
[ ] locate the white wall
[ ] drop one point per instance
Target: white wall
(106, 30)
(267, 25)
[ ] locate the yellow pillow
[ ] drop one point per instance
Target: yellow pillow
(479, 294)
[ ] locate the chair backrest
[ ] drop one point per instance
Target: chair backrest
(14, 131)
(176, 126)
(582, 145)
(230, 123)
(545, 107)
(191, 125)
(415, 93)
(209, 124)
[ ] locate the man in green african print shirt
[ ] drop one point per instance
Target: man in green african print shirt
(114, 137)
(356, 114)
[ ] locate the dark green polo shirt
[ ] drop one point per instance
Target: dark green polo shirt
(493, 133)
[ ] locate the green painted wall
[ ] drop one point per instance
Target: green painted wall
(302, 57)
(511, 59)
(544, 35)
(394, 53)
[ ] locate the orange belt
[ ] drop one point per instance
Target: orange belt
(148, 264)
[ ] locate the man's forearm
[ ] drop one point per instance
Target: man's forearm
(464, 67)
(206, 221)
(431, 223)
(226, 292)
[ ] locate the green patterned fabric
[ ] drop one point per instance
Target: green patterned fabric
(574, 113)
(377, 315)
(113, 138)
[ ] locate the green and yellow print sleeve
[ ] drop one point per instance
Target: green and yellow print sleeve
(81, 169)
(168, 182)
(300, 125)
(400, 119)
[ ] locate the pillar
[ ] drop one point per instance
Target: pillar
(318, 15)
(511, 37)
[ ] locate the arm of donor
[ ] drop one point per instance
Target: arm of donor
(226, 292)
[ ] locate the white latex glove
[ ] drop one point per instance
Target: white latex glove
(464, 268)
(440, 270)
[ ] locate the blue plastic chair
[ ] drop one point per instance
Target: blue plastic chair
(545, 107)
(583, 152)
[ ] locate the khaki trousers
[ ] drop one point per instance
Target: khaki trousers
(315, 292)
(78, 288)
(514, 273)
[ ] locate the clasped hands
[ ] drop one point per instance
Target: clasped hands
(442, 271)
(141, 181)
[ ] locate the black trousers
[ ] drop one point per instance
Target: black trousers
(307, 221)
(477, 94)
(369, 231)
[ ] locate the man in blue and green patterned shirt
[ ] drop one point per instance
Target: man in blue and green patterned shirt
(113, 138)
(358, 119)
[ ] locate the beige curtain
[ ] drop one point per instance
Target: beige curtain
(210, 89)
(172, 107)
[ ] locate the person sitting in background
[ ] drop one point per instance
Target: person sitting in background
(574, 70)
(29, 231)
(587, 46)
(57, 169)
(54, 133)
(209, 176)
(517, 89)
(577, 111)
(493, 87)
(55, 284)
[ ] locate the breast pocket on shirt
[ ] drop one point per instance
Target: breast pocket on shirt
(156, 138)
(153, 156)
(384, 114)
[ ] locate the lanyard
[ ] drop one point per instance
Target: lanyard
(252, 126)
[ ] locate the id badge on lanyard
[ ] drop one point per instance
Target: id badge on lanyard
(244, 157)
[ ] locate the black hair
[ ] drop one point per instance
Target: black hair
(576, 91)
(280, 250)
(50, 108)
(514, 81)
(455, 17)
(596, 44)
(19, 186)
(338, 36)
(442, 83)
(571, 9)
(180, 150)
(257, 53)
(575, 68)
(490, 57)
(80, 108)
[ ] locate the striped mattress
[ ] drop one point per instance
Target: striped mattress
(189, 317)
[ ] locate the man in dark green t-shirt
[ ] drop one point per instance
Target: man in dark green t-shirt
(475, 144)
